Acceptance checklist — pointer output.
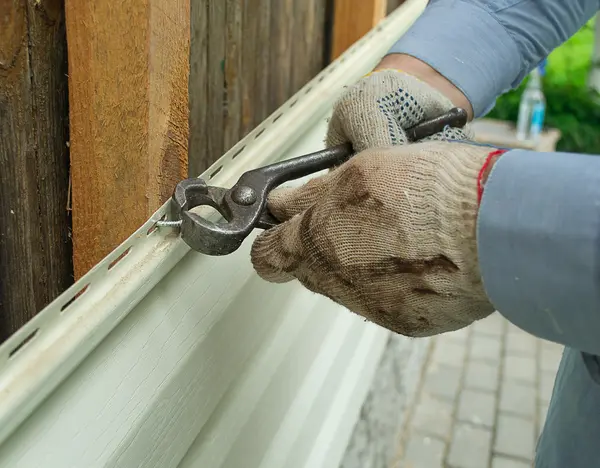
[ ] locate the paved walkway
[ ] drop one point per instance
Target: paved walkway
(483, 399)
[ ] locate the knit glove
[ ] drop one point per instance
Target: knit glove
(376, 110)
(390, 235)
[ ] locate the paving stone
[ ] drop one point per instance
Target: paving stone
(503, 462)
(546, 386)
(515, 436)
(442, 381)
(502, 362)
(518, 399)
(485, 348)
(470, 447)
(520, 344)
(433, 417)
(493, 325)
(450, 353)
(477, 408)
(550, 358)
(520, 368)
(482, 375)
(423, 452)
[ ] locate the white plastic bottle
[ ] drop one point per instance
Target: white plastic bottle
(532, 108)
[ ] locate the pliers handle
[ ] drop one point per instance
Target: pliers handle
(244, 206)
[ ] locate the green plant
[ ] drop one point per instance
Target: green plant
(571, 106)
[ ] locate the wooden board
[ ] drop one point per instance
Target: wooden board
(352, 20)
(198, 87)
(35, 247)
(247, 59)
(128, 93)
(281, 57)
(308, 39)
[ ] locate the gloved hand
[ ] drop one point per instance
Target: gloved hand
(374, 112)
(390, 234)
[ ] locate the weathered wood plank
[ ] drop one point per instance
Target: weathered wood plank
(352, 20)
(317, 38)
(308, 41)
(300, 53)
(35, 250)
(280, 60)
(262, 107)
(233, 73)
(259, 52)
(199, 84)
(128, 90)
(217, 93)
(247, 74)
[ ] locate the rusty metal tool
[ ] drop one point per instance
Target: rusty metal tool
(244, 206)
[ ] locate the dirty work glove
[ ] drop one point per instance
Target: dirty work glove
(390, 235)
(375, 111)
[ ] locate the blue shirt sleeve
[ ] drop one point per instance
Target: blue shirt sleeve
(538, 241)
(487, 47)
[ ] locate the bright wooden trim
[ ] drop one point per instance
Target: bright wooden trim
(352, 19)
(128, 97)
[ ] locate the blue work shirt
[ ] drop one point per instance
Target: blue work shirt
(539, 222)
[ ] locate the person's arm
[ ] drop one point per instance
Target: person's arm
(539, 244)
(459, 53)
(485, 47)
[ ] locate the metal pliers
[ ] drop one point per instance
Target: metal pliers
(244, 206)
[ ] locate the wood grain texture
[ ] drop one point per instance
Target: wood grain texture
(318, 16)
(250, 53)
(234, 74)
(261, 78)
(281, 58)
(259, 53)
(198, 86)
(35, 250)
(308, 40)
(216, 106)
(301, 42)
(128, 93)
(352, 20)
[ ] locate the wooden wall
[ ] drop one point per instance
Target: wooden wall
(352, 19)
(247, 58)
(35, 247)
(128, 95)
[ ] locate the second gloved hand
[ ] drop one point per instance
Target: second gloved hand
(391, 235)
(376, 111)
